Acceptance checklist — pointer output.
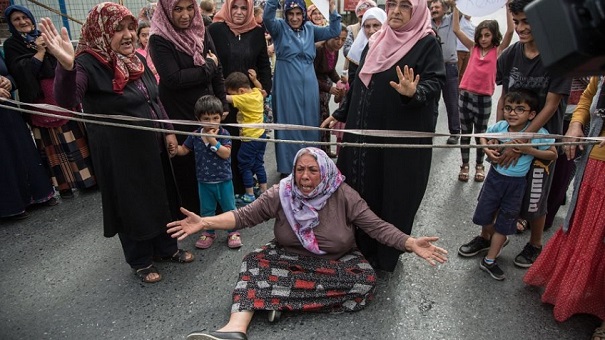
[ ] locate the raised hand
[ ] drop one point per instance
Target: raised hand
(407, 81)
(58, 45)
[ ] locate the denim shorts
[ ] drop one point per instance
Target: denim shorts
(499, 202)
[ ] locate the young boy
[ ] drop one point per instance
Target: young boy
(520, 67)
(250, 103)
(499, 202)
(213, 164)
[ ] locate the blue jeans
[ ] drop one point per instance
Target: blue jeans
(251, 161)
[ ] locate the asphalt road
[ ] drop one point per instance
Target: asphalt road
(61, 279)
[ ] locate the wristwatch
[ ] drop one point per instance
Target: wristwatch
(214, 148)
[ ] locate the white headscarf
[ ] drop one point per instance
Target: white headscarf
(362, 40)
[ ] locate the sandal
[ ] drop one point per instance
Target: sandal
(599, 334)
(144, 273)
(463, 174)
(479, 173)
(521, 226)
(181, 256)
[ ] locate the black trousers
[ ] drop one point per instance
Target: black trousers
(140, 254)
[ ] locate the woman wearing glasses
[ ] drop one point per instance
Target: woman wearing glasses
(398, 80)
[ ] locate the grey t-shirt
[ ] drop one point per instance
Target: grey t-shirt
(448, 39)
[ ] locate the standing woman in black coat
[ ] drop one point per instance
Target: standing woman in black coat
(240, 46)
(62, 143)
(135, 177)
(395, 89)
(184, 56)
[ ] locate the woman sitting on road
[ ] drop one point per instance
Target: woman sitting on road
(316, 214)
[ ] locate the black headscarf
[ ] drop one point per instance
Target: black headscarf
(19, 50)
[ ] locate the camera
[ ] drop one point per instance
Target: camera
(570, 35)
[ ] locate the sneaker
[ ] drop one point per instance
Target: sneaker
(528, 256)
(234, 240)
(492, 269)
(247, 198)
(205, 241)
(452, 140)
(474, 247)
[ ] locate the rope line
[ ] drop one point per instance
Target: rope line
(361, 132)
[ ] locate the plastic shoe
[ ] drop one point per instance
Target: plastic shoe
(492, 269)
(247, 199)
(234, 240)
(474, 247)
(528, 256)
(205, 241)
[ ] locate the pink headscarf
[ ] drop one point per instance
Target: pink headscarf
(189, 40)
(224, 14)
(387, 46)
(95, 39)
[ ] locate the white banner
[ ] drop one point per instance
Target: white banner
(323, 6)
(479, 8)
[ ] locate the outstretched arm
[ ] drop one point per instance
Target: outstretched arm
(508, 35)
(464, 39)
(193, 223)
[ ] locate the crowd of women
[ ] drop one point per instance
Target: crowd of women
(336, 224)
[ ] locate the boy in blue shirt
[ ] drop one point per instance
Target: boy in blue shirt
(499, 202)
(213, 167)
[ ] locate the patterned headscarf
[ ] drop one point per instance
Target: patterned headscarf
(224, 14)
(364, 5)
(388, 46)
(95, 39)
(302, 210)
(292, 4)
(189, 40)
(28, 38)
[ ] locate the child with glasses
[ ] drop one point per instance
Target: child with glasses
(500, 199)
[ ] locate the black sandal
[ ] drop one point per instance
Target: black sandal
(143, 274)
(181, 256)
(521, 226)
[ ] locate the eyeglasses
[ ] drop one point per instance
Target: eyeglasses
(403, 5)
(369, 26)
(518, 109)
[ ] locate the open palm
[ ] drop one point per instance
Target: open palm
(58, 45)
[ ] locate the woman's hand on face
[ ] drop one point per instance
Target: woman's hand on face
(191, 224)
(424, 248)
(407, 81)
(58, 45)
(212, 56)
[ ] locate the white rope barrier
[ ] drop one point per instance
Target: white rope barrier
(129, 123)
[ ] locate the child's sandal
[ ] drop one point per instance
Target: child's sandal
(479, 173)
(463, 174)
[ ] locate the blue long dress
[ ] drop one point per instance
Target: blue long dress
(295, 90)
